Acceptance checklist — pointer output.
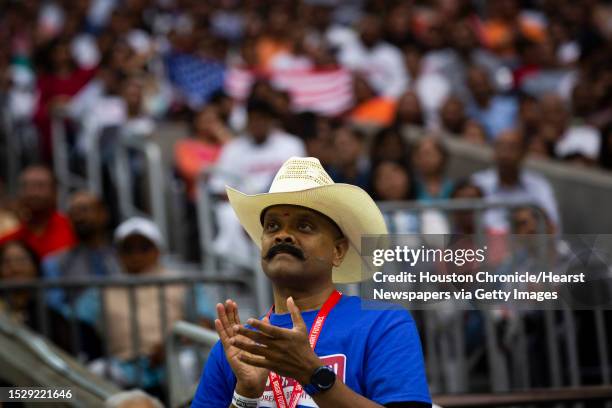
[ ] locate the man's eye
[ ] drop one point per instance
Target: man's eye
(271, 226)
(305, 227)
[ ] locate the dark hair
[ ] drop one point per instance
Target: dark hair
(380, 137)
(411, 191)
(440, 145)
(31, 253)
(462, 184)
(259, 105)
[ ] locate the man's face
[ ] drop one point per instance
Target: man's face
(87, 215)
(37, 189)
(300, 245)
(524, 222)
(259, 125)
(138, 254)
(509, 151)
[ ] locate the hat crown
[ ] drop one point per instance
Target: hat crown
(300, 173)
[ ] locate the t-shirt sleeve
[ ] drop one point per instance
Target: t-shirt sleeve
(394, 367)
(217, 382)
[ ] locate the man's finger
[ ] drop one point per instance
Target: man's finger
(222, 314)
(229, 311)
(236, 315)
(257, 337)
(255, 349)
(296, 316)
(255, 361)
(268, 329)
(223, 335)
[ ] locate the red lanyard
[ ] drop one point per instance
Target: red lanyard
(313, 336)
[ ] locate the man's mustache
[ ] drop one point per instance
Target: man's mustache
(285, 248)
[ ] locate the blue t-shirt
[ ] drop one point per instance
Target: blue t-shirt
(376, 353)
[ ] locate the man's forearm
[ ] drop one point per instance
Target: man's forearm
(341, 396)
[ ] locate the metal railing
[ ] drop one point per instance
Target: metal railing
(155, 179)
(212, 260)
(189, 283)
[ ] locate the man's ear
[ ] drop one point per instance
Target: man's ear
(341, 246)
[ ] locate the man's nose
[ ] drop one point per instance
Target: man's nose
(284, 236)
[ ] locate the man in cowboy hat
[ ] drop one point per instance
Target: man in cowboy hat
(316, 347)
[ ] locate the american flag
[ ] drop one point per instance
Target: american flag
(325, 91)
(194, 77)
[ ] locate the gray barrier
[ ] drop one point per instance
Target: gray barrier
(131, 284)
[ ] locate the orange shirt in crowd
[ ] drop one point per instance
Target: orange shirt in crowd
(267, 48)
(378, 111)
(57, 235)
(191, 157)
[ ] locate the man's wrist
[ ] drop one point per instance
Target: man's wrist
(309, 369)
(248, 392)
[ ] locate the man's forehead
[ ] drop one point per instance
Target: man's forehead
(287, 210)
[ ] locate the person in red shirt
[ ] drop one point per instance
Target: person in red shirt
(42, 227)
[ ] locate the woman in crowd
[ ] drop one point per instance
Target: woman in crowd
(430, 158)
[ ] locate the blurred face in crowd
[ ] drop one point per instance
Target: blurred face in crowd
(370, 30)
(348, 146)
(464, 219)
(132, 94)
(529, 113)
(524, 221)
(554, 113)
(389, 146)
(412, 59)
(509, 150)
(259, 125)
(409, 109)
(37, 190)
(480, 85)
(61, 58)
(429, 158)
(16, 263)
(138, 254)
(87, 215)
(204, 124)
(473, 132)
(452, 115)
(391, 181)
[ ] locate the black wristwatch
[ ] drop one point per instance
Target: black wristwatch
(321, 380)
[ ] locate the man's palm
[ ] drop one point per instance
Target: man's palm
(250, 376)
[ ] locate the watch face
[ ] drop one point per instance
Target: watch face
(324, 378)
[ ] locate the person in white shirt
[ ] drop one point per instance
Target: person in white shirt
(249, 163)
(381, 62)
(508, 182)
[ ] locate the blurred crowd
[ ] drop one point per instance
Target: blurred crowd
(261, 81)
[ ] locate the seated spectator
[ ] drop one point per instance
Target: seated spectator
(61, 80)
(494, 112)
(140, 245)
(381, 62)
(462, 221)
(351, 165)
(202, 151)
(93, 255)
(473, 132)
(370, 109)
(249, 163)
(42, 227)
(18, 263)
(388, 144)
(429, 159)
(391, 181)
(452, 116)
(509, 182)
(409, 111)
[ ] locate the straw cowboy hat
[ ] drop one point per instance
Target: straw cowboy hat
(303, 181)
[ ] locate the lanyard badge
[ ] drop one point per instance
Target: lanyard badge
(313, 336)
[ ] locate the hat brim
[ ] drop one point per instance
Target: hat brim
(351, 208)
